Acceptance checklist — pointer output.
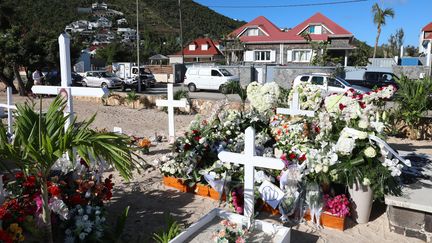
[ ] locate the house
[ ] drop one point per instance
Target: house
(199, 50)
(425, 40)
(261, 41)
(104, 22)
(77, 26)
(122, 21)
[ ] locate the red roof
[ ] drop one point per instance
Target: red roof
(275, 34)
(428, 27)
(212, 50)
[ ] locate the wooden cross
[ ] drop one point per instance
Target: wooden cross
(66, 81)
(9, 106)
(250, 161)
(171, 103)
(294, 109)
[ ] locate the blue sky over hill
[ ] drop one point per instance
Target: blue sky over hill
(411, 15)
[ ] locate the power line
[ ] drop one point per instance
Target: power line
(287, 5)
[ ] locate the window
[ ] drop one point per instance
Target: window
(225, 72)
(253, 32)
(262, 55)
(301, 55)
(317, 80)
(334, 83)
(312, 29)
(304, 78)
(204, 47)
(215, 73)
(192, 47)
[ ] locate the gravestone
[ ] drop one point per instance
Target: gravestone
(9, 107)
(294, 109)
(263, 231)
(66, 81)
(171, 104)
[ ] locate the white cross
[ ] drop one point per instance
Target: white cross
(66, 81)
(250, 161)
(294, 109)
(9, 106)
(171, 103)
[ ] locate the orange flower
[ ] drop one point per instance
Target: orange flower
(144, 143)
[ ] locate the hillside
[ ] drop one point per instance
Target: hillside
(161, 17)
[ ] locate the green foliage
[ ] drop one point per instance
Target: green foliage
(413, 100)
(181, 94)
(165, 235)
(379, 19)
(114, 234)
(360, 55)
(283, 101)
(115, 52)
(132, 97)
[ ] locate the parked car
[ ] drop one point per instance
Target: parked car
(328, 83)
(76, 79)
(101, 79)
(371, 79)
(209, 78)
(53, 77)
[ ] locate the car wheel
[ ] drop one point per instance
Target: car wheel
(123, 87)
(104, 85)
(84, 84)
(192, 88)
(223, 89)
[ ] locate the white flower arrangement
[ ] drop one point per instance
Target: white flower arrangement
(87, 222)
(263, 97)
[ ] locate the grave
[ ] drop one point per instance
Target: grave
(66, 81)
(263, 230)
(171, 104)
(8, 107)
(411, 213)
(294, 109)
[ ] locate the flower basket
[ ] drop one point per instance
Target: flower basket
(329, 220)
(198, 189)
(177, 183)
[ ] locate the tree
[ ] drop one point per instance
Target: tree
(41, 140)
(360, 55)
(379, 20)
(395, 43)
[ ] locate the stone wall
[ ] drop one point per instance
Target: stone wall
(412, 72)
(245, 73)
(284, 75)
(411, 223)
(199, 106)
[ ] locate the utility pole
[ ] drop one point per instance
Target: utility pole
(181, 31)
(138, 49)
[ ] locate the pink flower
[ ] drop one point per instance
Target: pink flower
(240, 240)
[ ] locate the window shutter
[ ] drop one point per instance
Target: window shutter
(249, 56)
(289, 56)
(272, 56)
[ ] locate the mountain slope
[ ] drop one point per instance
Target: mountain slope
(162, 18)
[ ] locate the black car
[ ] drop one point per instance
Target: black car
(373, 79)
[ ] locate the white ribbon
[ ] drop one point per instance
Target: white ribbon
(387, 146)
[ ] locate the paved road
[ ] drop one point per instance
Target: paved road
(160, 89)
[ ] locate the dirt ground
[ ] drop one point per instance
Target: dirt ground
(150, 201)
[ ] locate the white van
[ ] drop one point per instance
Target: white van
(210, 78)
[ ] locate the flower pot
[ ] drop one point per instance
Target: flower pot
(362, 198)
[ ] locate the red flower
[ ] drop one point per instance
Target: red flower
(359, 97)
(187, 146)
(76, 199)
(195, 131)
(30, 182)
(341, 107)
(5, 237)
(302, 158)
(54, 190)
(19, 175)
(292, 156)
(317, 129)
(362, 105)
(197, 138)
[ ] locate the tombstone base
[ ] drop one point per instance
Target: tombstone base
(207, 225)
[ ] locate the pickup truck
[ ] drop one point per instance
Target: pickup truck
(371, 79)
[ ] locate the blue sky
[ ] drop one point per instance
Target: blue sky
(411, 15)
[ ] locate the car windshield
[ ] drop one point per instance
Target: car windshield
(343, 81)
(225, 72)
(107, 75)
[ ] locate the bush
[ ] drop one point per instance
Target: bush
(413, 101)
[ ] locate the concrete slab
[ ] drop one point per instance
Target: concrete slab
(417, 188)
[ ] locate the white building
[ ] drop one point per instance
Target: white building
(425, 42)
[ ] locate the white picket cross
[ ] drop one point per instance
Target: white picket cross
(294, 109)
(250, 161)
(171, 103)
(9, 107)
(66, 81)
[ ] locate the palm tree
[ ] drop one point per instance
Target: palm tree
(379, 20)
(41, 139)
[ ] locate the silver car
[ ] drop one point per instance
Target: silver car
(101, 79)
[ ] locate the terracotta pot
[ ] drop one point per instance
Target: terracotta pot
(362, 198)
